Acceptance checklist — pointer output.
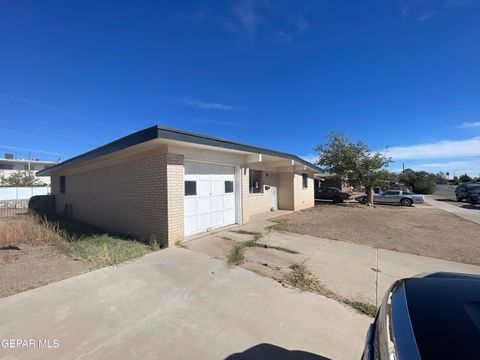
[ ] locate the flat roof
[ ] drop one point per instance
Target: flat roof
(27, 161)
(161, 132)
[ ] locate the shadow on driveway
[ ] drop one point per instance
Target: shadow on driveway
(269, 351)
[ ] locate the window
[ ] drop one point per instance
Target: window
(6, 166)
(391, 192)
(305, 181)
(62, 184)
(228, 187)
(255, 181)
(190, 188)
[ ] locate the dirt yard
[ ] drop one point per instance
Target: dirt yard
(420, 230)
(25, 266)
(36, 251)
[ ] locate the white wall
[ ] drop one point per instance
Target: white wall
(17, 193)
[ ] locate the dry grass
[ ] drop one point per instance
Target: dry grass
(99, 249)
(104, 250)
(417, 230)
(30, 230)
(302, 278)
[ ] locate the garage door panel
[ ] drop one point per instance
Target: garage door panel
(190, 224)
(217, 218)
(217, 203)
(229, 216)
(204, 221)
(203, 188)
(190, 206)
(229, 202)
(217, 187)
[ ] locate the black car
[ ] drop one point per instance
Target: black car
(463, 190)
(435, 316)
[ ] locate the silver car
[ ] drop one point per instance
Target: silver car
(394, 197)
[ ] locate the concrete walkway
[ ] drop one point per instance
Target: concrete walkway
(178, 304)
(468, 214)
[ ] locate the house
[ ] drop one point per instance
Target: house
(170, 184)
(323, 180)
(10, 165)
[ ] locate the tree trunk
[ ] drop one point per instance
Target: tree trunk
(369, 191)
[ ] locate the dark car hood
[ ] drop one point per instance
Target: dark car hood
(444, 311)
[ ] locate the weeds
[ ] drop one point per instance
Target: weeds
(256, 235)
(237, 255)
(104, 250)
(181, 244)
(361, 307)
(154, 243)
(29, 230)
(281, 227)
(281, 248)
(302, 278)
(226, 238)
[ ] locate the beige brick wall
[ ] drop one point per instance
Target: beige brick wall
(175, 198)
(130, 197)
(304, 198)
(244, 174)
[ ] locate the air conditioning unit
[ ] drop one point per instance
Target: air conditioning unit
(9, 156)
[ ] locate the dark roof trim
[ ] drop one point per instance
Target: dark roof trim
(161, 132)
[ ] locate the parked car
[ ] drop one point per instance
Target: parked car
(474, 197)
(463, 190)
(331, 193)
(400, 197)
(433, 316)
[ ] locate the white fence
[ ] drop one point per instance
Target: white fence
(22, 193)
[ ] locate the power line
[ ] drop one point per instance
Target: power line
(71, 114)
(31, 150)
(69, 140)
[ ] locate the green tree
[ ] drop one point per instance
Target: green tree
(421, 182)
(21, 178)
(354, 163)
(465, 178)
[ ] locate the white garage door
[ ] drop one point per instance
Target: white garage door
(209, 196)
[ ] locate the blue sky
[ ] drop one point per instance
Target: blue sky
(279, 74)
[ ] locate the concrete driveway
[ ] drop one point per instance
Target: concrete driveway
(178, 304)
(355, 272)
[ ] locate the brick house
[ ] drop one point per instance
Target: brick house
(172, 184)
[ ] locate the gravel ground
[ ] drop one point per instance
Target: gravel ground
(420, 230)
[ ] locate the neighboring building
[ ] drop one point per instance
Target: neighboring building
(330, 180)
(170, 183)
(9, 165)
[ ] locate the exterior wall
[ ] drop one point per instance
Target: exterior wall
(303, 198)
(261, 203)
(142, 197)
(244, 171)
(175, 198)
(285, 191)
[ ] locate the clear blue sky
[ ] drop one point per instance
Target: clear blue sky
(279, 74)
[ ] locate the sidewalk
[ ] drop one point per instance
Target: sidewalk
(468, 214)
(358, 272)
